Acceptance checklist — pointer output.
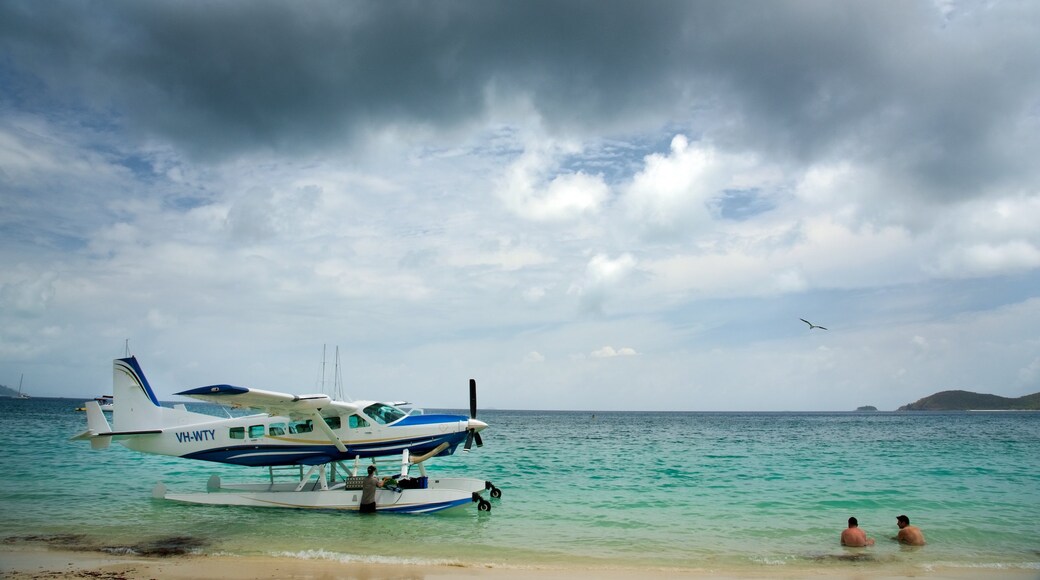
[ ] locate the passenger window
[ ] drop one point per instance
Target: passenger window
(356, 421)
(256, 431)
(333, 422)
(301, 426)
(238, 433)
(276, 429)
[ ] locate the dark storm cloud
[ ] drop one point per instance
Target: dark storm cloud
(216, 76)
(896, 84)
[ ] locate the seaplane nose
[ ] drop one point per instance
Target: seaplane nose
(476, 425)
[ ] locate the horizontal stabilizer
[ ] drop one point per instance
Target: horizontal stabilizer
(96, 441)
(100, 434)
(98, 428)
(117, 435)
(112, 435)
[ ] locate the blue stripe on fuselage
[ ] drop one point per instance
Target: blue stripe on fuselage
(263, 455)
(412, 420)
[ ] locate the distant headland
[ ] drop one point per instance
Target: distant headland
(968, 401)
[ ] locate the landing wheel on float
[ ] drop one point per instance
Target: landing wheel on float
(482, 504)
(495, 492)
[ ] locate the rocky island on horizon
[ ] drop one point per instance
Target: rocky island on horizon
(968, 401)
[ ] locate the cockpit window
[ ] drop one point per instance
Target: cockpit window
(383, 413)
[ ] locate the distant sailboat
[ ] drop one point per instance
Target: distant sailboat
(21, 395)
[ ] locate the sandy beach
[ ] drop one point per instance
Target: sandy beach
(38, 564)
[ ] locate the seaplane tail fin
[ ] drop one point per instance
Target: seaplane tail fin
(134, 405)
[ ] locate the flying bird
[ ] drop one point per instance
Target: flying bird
(811, 325)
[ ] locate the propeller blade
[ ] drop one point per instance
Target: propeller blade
(472, 434)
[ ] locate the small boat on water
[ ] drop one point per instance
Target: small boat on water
(104, 401)
(21, 395)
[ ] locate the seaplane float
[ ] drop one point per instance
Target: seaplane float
(335, 441)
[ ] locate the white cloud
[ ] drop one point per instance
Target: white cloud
(160, 321)
(610, 352)
(791, 280)
(534, 357)
(534, 189)
(26, 292)
(534, 294)
(347, 279)
(670, 194)
(506, 256)
(1029, 375)
(602, 276)
(30, 150)
(825, 255)
(988, 259)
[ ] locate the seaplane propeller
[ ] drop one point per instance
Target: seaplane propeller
(472, 433)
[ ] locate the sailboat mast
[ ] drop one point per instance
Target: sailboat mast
(323, 347)
(339, 378)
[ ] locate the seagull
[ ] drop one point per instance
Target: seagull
(811, 325)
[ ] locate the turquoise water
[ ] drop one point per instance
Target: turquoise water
(666, 490)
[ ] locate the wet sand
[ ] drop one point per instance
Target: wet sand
(39, 564)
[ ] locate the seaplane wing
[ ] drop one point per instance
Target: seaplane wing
(275, 403)
(271, 402)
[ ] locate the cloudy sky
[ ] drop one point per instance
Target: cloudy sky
(583, 205)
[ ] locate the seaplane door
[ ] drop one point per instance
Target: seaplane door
(359, 425)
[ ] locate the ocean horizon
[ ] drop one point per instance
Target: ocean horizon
(612, 489)
(204, 407)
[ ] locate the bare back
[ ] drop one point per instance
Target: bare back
(910, 535)
(855, 538)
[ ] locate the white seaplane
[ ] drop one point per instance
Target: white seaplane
(328, 436)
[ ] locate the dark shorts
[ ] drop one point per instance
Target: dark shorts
(367, 508)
